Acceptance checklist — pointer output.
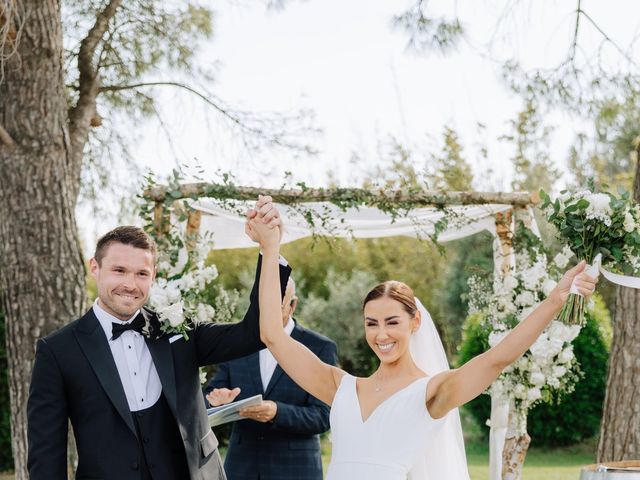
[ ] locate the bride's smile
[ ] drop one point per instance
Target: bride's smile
(388, 328)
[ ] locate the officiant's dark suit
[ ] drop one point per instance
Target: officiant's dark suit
(287, 447)
(75, 377)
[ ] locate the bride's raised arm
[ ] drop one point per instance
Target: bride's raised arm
(301, 364)
(451, 389)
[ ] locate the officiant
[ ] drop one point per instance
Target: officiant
(280, 438)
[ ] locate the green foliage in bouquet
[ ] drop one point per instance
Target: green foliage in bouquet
(596, 223)
(592, 223)
(565, 419)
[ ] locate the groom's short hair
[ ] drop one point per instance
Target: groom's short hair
(127, 235)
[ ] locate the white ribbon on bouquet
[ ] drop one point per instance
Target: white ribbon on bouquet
(596, 267)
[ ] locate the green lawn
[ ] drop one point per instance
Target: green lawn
(558, 464)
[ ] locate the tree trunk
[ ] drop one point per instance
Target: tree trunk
(620, 427)
(42, 275)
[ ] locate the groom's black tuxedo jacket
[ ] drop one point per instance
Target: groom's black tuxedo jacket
(75, 377)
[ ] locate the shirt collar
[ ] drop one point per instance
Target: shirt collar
(106, 319)
(288, 328)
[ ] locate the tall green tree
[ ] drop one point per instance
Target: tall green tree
(529, 136)
(452, 171)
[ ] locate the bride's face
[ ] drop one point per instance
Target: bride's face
(388, 328)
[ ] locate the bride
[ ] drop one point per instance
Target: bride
(401, 422)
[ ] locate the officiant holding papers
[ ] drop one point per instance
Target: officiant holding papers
(280, 438)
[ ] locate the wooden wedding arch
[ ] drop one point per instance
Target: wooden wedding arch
(506, 208)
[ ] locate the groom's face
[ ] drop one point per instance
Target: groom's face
(123, 277)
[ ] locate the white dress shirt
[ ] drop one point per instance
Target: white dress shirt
(268, 362)
(135, 366)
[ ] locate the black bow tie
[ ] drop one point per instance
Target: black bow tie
(118, 329)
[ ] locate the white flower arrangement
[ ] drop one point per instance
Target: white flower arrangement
(177, 295)
(549, 366)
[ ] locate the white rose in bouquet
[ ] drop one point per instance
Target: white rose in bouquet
(599, 207)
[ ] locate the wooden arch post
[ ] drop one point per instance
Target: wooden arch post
(517, 439)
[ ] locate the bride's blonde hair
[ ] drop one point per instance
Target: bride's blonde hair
(398, 291)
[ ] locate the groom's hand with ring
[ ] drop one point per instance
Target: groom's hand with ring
(265, 412)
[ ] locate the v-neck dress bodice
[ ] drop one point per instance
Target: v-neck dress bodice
(390, 445)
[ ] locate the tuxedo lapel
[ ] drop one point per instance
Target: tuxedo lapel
(95, 346)
(160, 350)
(297, 333)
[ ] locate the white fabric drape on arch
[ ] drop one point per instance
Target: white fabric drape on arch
(365, 222)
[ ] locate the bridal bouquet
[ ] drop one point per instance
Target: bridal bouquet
(593, 224)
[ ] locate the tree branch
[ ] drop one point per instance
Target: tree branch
(574, 45)
(207, 99)
(88, 85)
(88, 78)
(90, 43)
(608, 38)
(6, 138)
(362, 196)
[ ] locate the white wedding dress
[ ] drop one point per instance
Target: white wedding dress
(391, 444)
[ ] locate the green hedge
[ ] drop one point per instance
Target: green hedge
(567, 420)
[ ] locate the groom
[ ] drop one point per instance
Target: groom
(132, 393)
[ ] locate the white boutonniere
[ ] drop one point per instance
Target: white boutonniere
(172, 320)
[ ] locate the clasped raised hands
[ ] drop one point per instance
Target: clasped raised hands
(264, 224)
